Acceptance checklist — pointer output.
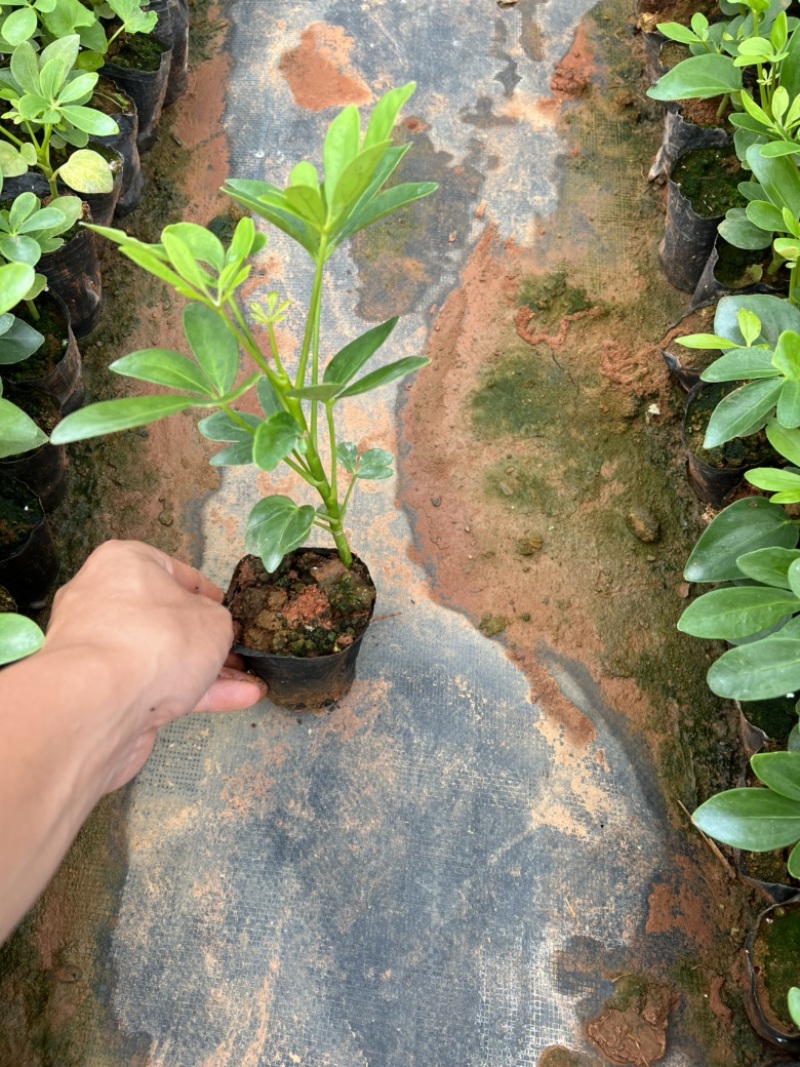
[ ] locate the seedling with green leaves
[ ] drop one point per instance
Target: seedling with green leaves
(297, 424)
(48, 96)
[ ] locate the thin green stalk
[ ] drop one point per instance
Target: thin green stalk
(794, 297)
(273, 344)
(31, 305)
(312, 322)
(332, 442)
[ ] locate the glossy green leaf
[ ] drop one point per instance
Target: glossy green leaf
(184, 262)
(349, 360)
(242, 244)
(78, 89)
(20, 249)
(20, 25)
(773, 480)
(759, 671)
(164, 367)
(19, 342)
(793, 999)
(706, 342)
(728, 614)
(18, 432)
(788, 407)
(384, 375)
(267, 397)
(201, 243)
(698, 78)
(785, 442)
(754, 819)
(16, 280)
(786, 357)
(779, 178)
(220, 427)
(321, 393)
(111, 416)
(770, 566)
(765, 216)
(275, 439)
(276, 526)
(25, 67)
(742, 412)
(19, 637)
(90, 120)
(779, 148)
(776, 315)
(214, 346)
(236, 455)
(741, 364)
(354, 179)
(779, 771)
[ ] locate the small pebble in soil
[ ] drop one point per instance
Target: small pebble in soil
(526, 616)
(644, 525)
(436, 501)
(527, 546)
(492, 625)
(505, 488)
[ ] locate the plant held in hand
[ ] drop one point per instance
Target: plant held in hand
(296, 424)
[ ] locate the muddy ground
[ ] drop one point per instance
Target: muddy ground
(545, 484)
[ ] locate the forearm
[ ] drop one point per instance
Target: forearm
(56, 710)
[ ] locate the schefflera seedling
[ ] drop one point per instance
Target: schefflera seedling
(298, 406)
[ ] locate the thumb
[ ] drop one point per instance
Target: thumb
(232, 690)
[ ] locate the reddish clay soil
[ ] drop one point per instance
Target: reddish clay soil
(318, 71)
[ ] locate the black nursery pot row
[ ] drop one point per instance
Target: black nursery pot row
(49, 384)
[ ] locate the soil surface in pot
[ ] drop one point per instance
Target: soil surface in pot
(52, 324)
(7, 602)
(312, 605)
(775, 953)
(108, 99)
(741, 452)
(739, 267)
(709, 179)
(139, 51)
(20, 513)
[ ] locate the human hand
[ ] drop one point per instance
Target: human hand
(158, 626)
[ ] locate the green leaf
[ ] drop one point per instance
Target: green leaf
(18, 342)
(340, 148)
(275, 439)
(347, 455)
(383, 204)
(25, 67)
(758, 671)
(354, 180)
(213, 345)
(239, 454)
(770, 566)
(786, 357)
(349, 360)
(20, 26)
(384, 114)
(779, 148)
(773, 480)
(90, 121)
(269, 202)
(776, 314)
(754, 819)
(698, 78)
(307, 203)
(779, 771)
(385, 375)
(304, 174)
(87, 172)
(321, 393)
(785, 442)
(184, 262)
(779, 178)
(20, 249)
(742, 412)
(220, 427)
(675, 32)
(740, 365)
(743, 527)
(161, 366)
(276, 526)
(749, 325)
(793, 999)
(202, 244)
(18, 432)
(111, 416)
(241, 246)
(267, 397)
(16, 280)
(19, 637)
(788, 408)
(78, 89)
(704, 341)
(375, 464)
(729, 614)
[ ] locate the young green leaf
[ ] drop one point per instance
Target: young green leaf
(698, 78)
(788, 408)
(275, 439)
(749, 325)
(347, 455)
(19, 342)
(221, 427)
(275, 527)
(340, 148)
(18, 432)
(111, 416)
(205, 246)
(375, 464)
(785, 442)
(770, 566)
(384, 114)
(236, 455)
(786, 357)
(267, 397)
(19, 637)
(16, 280)
(704, 341)
(779, 771)
(741, 364)
(87, 172)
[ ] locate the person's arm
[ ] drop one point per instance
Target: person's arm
(135, 640)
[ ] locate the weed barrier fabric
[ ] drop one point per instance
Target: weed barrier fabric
(430, 874)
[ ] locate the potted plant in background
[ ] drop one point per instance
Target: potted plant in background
(314, 605)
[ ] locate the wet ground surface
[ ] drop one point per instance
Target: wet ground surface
(480, 856)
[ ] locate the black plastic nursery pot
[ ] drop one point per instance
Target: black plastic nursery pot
(771, 955)
(680, 135)
(143, 76)
(173, 25)
(118, 104)
(715, 473)
(57, 368)
(44, 469)
(300, 682)
(28, 558)
(702, 186)
(728, 270)
(73, 273)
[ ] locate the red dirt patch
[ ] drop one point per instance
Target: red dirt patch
(318, 71)
(572, 76)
